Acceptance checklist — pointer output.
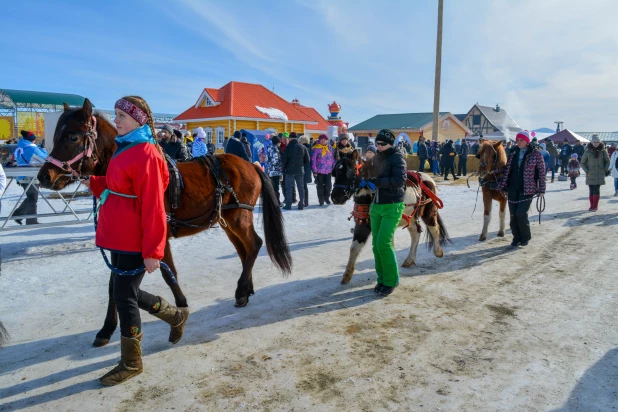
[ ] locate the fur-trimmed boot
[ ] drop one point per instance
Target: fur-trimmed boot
(175, 317)
(130, 362)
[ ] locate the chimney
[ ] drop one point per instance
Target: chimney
(497, 107)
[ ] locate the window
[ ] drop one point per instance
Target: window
(208, 102)
(220, 132)
(476, 120)
(209, 136)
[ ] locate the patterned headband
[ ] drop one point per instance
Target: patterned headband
(132, 110)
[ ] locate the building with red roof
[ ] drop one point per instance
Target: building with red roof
(238, 105)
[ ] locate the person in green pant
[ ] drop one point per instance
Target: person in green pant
(386, 210)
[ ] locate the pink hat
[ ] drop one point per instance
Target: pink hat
(524, 135)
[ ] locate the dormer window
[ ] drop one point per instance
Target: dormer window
(208, 102)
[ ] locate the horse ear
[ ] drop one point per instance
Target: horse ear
(66, 107)
(87, 108)
(497, 145)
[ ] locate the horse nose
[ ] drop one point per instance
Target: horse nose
(44, 178)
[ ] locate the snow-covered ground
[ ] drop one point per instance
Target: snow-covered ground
(486, 328)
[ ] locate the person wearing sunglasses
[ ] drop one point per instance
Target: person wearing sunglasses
(386, 209)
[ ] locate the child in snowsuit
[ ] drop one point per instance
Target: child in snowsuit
(573, 168)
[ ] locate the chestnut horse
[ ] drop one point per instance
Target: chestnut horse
(84, 143)
(418, 206)
(492, 157)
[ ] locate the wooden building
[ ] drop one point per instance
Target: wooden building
(411, 125)
(237, 106)
(485, 120)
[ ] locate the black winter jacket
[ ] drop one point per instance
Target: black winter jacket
(295, 157)
(465, 150)
(446, 155)
(177, 151)
(422, 149)
(390, 169)
(235, 147)
(308, 173)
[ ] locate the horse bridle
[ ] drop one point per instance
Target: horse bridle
(493, 171)
(88, 151)
(350, 188)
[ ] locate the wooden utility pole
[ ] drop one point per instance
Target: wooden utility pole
(436, 89)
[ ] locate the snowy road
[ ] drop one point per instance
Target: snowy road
(486, 328)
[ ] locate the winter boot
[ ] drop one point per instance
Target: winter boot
(591, 198)
(572, 186)
(595, 206)
(130, 362)
(175, 317)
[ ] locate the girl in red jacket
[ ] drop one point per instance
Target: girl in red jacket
(132, 226)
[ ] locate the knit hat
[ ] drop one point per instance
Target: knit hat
(237, 134)
(28, 135)
(595, 139)
(286, 134)
(168, 128)
(574, 156)
(178, 134)
(322, 137)
(276, 140)
(293, 135)
(371, 148)
(201, 134)
(343, 136)
(523, 135)
(386, 136)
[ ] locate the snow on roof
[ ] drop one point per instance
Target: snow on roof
(272, 113)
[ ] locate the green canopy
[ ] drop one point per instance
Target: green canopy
(23, 98)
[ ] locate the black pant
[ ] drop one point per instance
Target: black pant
(28, 206)
(595, 190)
(285, 192)
(463, 166)
(324, 185)
(275, 182)
(520, 226)
(421, 165)
(128, 297)
(290, 180)
(306, 194)
(564, 165)
(450, 167)
(573, 180)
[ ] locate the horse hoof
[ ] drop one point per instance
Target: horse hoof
(439, 254)
(483, 238)
(346, 279)
(500, 234)
(98, 342)
(241, 302)
(407, 264)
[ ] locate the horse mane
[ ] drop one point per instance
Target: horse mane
(68, 114)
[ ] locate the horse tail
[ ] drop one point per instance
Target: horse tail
(274, 231)
(444, 237)
(4, 335)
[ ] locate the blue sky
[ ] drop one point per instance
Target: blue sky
(542, 60)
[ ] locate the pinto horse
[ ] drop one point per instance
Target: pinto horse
(492, 157)
(418, 206)
(83, 146)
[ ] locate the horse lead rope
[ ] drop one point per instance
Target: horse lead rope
(165, 268)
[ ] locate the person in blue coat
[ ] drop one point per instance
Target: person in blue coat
(28, 154)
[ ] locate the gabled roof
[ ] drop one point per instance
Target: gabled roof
(396, 121)
(460, 117)
(322, 124)
(499, 119)
(239, 100)
(604, 136)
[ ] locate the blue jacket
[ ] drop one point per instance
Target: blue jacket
(26, 150)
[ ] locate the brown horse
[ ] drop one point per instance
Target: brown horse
(492, 157)
(75, 134)
(418, 207)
